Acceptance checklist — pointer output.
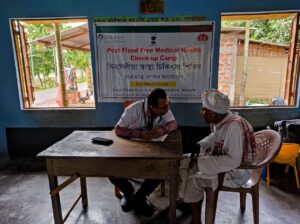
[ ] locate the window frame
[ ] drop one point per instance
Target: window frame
(294, 70)
(24, 88)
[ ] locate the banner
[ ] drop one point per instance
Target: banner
(134, 58)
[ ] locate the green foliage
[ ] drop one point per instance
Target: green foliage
(268, 30)
(256, 102)
(78, 59)
(42, 59)
(35, 31)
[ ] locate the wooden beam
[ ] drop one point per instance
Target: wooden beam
(47, 43)
(74, 35)
(53, 21)
(64, 184)
(84, 45)
(257, 16)
(74, 48)
(50, 44)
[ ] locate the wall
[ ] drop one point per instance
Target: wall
(263, 72)
(107, 114)
(267, 64)
(266, 67)
(227, 64)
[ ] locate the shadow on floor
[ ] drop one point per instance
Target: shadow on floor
(25, 199)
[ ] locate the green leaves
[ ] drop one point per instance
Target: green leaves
(268, 30)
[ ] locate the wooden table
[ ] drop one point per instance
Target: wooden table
(77, 157)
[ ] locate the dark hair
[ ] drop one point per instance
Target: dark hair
(155, 95)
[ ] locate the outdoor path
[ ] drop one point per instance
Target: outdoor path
(50, 94)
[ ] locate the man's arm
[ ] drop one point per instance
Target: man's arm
(206, 143)
(169, 125)
(127, 132)
(212, 164)
(124, 127)
(137, 133)
(168, 128)
(134, 133)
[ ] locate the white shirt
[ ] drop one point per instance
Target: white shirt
(230, 138)
(135, 117)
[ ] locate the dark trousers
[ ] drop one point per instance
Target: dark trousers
(147, 187)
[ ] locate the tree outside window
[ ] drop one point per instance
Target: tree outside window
(54, 63)
(258, 60)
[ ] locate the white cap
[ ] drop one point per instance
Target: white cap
(215, 101)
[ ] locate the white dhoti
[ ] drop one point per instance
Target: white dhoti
(193, 183)
(192, 187)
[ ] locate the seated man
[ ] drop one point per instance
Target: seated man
(146, 119)
(230, 143)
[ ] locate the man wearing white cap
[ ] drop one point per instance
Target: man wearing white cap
(230, 144)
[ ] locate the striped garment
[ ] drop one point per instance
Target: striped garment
(248, 139)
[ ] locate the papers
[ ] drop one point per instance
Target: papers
(159, 139)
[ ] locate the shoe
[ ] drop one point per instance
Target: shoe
(127, 203)
(183, 207)
(143, 206)
(192, 221)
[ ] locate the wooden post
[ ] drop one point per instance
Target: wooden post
(89, 80)
(60, 66)
(245, 64)
(174, 167)
(56, 206)
(84, 192)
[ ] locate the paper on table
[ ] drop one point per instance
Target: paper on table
(159, 139)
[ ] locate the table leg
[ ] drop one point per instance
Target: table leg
(173, 191)
(84, 192)
(56, 207)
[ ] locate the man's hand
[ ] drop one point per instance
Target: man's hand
(197, 150)
(155, 133)
(194, 154)
(193, 162)
(146, 135)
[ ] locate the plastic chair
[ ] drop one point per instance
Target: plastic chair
(287, 155)
(268, 143)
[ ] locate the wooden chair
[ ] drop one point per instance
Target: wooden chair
(268, 143)
(287, 155)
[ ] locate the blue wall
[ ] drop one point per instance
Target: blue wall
(106, 114)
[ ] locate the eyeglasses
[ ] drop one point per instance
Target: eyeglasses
(166, 107)
(204, 110)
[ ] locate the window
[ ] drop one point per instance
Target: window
(53, 63)
(259, 58)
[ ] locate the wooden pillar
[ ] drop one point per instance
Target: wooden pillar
(245, 64)
(60, 66)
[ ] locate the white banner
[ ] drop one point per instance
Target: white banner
(134, 58)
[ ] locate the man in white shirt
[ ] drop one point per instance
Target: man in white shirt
(230, 143)
(146, 119)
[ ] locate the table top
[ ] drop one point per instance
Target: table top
(78, 145)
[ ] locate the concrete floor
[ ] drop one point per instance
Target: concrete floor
(25, 199)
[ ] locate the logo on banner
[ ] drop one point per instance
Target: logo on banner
(202, 37)
(111, 37)
(153, 40)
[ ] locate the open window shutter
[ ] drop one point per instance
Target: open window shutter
(23, 62)
(17, 42)
(26, 67)
(293, 61)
